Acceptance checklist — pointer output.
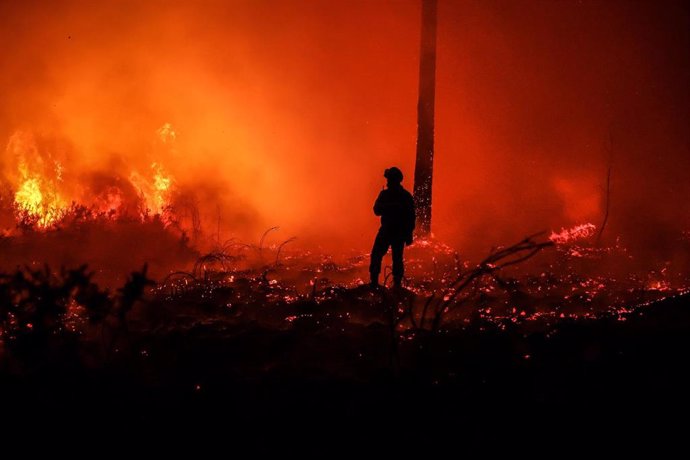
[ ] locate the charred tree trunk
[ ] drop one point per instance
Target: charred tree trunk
(424, 165)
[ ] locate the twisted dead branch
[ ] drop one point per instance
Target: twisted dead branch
(280, 248)
(457, 293)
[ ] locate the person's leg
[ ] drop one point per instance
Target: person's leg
(398, 267)
(377, 252)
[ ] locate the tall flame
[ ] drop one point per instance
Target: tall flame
(155, 192)
(37, 197)
(161, 186)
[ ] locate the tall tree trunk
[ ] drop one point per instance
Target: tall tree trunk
(424, 165)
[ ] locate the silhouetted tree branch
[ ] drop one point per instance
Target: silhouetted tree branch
(497, 260)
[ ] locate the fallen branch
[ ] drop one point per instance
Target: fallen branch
(497, 260)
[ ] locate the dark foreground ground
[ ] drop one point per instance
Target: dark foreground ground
(332, 385)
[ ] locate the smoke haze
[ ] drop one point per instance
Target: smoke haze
(286, 113)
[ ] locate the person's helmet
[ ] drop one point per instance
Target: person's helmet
(393, 174)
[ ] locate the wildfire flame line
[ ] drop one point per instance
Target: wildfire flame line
(41, 199)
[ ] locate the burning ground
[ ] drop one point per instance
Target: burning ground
(545, 338)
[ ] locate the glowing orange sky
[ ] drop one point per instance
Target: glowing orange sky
(288, 112)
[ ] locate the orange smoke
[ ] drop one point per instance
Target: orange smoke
(260, 113)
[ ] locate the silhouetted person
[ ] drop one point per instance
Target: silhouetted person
(396, 208)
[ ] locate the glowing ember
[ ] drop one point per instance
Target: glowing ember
(659, 285)
(569, 235)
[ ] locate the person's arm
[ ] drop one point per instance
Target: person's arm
(379, 205)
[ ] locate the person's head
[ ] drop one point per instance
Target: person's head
(393, 176)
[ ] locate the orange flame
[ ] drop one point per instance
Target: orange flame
(155, 191)
(41, 197)
(36, 195)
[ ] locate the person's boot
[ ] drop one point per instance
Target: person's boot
(397, 283)
(374, 281)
